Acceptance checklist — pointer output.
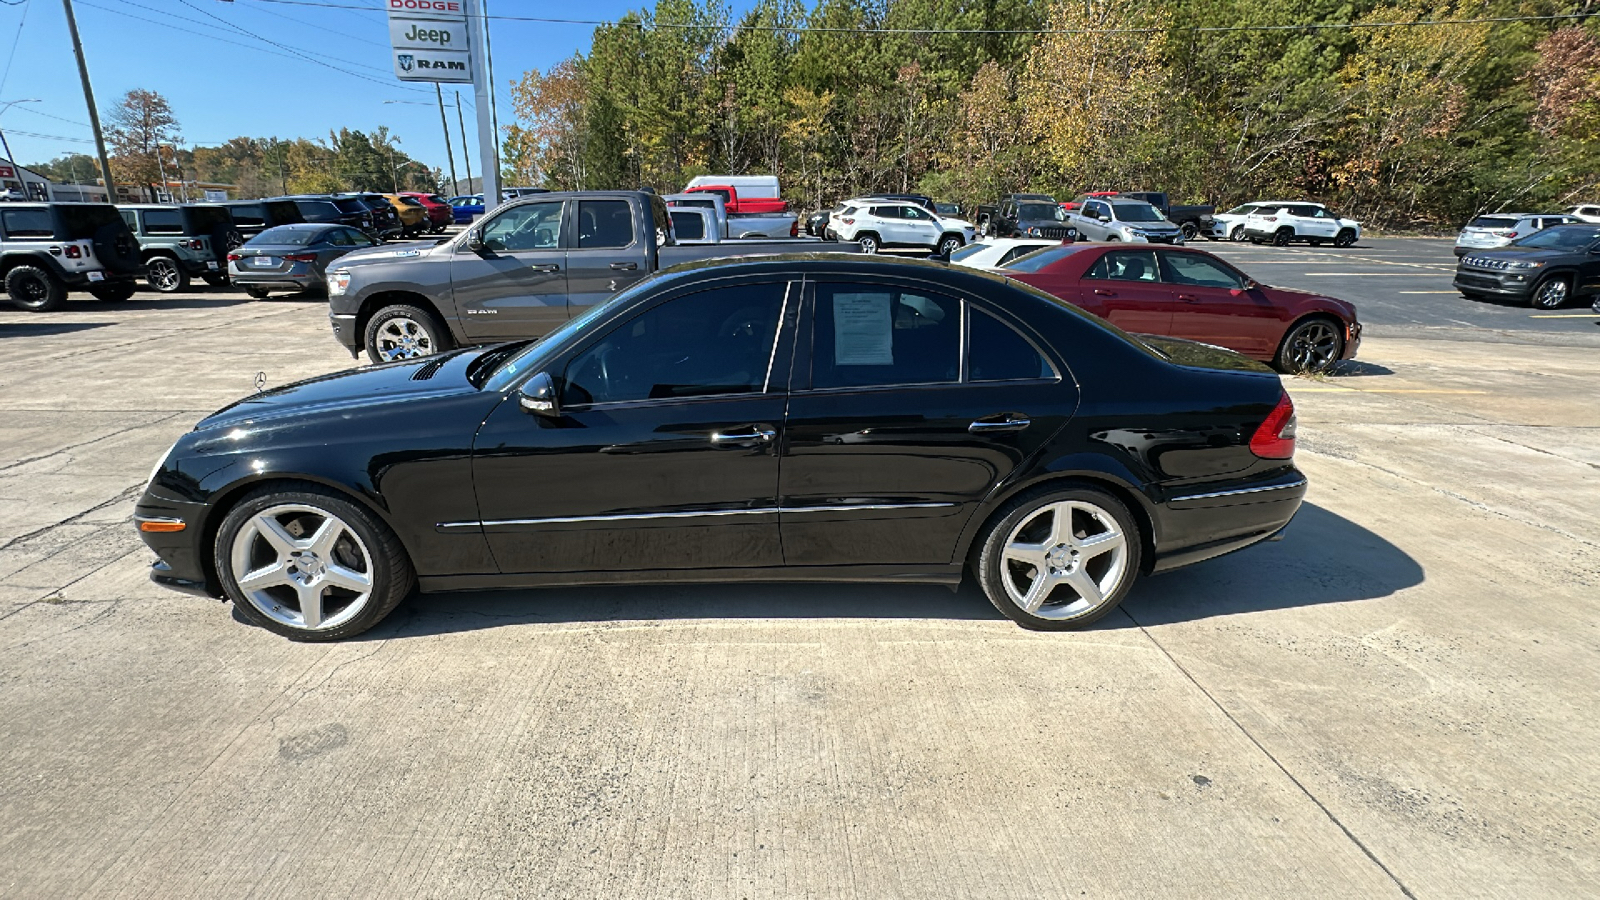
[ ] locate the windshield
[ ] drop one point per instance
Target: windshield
(1137, 212)
(535, 354)
(1038, 259)
(286, 236)
(1032, 211)
(968, 250)
(1562, 237)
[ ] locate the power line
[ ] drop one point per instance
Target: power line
(289, 49)
(801, 29)
(51, 137)
(21, 24)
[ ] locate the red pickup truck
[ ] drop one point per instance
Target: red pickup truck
(730, 196)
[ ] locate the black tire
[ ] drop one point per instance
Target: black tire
(870, 242)
(1190, 230)
(1282, 237)
(403, 331)
(384, 562)
(165, 275)
(1313, 344)
(1345, 238)
(1237, 234)
(1256, 241)
(35, 289)
(257, 293)
(1551, 293)
(215, 279)
(112, 293)
(948, 244)
(1113, 239)
(999, 574)
(1315, 242)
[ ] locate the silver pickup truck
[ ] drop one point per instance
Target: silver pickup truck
(519, 272)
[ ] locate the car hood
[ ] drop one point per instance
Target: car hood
(386, 253)
(1148, 226)
(952, 222)
(1526, 254)
(431, 376)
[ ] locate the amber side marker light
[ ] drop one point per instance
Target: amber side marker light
(162, 525)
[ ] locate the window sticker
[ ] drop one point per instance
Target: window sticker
(863, 331)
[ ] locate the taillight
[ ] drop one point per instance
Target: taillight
(197, 244)
(74, 251)
(1275, 438)
(794, 228)
(1270, 218)
(1505, 234)
(848, 221)
(234, 256)
(301, 257)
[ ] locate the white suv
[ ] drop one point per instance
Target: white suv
(1589, 212)
(1282, 223)
(1502, 229)
(876, 224)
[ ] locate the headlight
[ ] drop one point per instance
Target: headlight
(1523, 264)
(1033, 231)
(338, 282)
(157, 467)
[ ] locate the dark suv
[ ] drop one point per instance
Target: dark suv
(385, 218)
(251, 217)
(1546, 269)
(335, 211)
(180, 242)
(47, 249)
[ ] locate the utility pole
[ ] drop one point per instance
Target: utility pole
(466, 155)
(488, 161)
(439, 95)
(88, 97)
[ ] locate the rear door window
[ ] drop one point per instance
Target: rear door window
(604, 224)
(27, 223)
(162, 221)
(996, 352)
(868, 335)
(1194, 269)
(1126, 265)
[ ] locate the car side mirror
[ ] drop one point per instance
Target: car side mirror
(475, 241)
(538, 396)
(1249, 286)
(1104, 218)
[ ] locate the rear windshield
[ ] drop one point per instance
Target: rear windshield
(27, 223)
(287, 236)
(83, 221)
(349, 205)
(1038, 259)
(687, 226)
(435, 198)
(206, 219)
(248, 214)
(1492, 222)
(1562, 237)
(410, 201)
(968, 250)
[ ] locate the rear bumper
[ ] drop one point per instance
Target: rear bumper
(1203, 522)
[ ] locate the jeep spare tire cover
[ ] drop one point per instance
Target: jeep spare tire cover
(117, 249)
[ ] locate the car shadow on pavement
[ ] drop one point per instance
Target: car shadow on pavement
(1323, 558)
(1351, 368)
(46, 329)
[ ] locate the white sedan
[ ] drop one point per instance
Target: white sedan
(996, 252)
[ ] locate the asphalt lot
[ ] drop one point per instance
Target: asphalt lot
(1399, 699)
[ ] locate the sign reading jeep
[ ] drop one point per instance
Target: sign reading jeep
(417, 34)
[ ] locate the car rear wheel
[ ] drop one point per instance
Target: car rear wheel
(1282, 237)
(405, 332)
(1190, 230)
(215, 279)
(111, 293)
(1551, 293)
(164, 274)
(257, 293)
(1060, 558)
(35, 289)
(1345, 238)
(1312, 345)
(310, 565)
(868, 242)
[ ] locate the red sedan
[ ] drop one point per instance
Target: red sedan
(1191, 294)
(440, 214)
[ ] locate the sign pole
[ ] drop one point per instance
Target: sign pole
(439, 95)
(88, 97)
(477, 36)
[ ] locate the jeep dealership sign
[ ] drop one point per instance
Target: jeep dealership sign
(429, 39)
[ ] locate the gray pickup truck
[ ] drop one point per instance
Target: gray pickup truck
(519, 272)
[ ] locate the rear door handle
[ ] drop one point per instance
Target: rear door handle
(625, 267)
(1188, 298)
(1001, 422)
(546, 267)
(748, 434)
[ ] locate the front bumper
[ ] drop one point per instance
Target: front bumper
(345, 331)
(1516, 284)
(182, 556)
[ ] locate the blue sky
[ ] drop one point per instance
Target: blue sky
(224, 82)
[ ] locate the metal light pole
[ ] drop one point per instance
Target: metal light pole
(3, 144)
(466, 155)
(488, 160)
(88, 98)
(439, 95)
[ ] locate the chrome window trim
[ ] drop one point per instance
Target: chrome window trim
(1234, 493)
(692, 514)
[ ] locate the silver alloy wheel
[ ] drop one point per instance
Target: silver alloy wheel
(949, 246)
(404, 338)
(869, 244)
(162, 273)
(1064, 559)
(302, 566)
(1551, 294)
(1237, 234)
(1313, 347)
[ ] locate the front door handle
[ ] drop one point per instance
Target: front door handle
(748, 434)
(1001, 422)
(546, 267)
(1102, 292)
(625, 267)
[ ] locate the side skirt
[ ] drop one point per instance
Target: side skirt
(946, 575)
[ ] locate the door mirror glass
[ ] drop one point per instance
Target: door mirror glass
(475, 241)
(538, 396)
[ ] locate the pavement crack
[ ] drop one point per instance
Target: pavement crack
(1361, 845)
(59, 450)
(127, 494)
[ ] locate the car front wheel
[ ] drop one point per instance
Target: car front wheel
(1060, 558)
(405, 332)
(1311, 346)
(949, 245)
(310, 565)
(1237, 234)
(1345, 238)
(1551, 293)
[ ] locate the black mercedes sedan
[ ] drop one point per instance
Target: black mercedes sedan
(814, 417)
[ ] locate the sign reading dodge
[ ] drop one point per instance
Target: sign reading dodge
(429, 38)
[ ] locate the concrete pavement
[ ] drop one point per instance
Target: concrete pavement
(1397, 699)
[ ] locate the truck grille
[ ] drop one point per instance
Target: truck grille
(1485, 262)
(1058, 233)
